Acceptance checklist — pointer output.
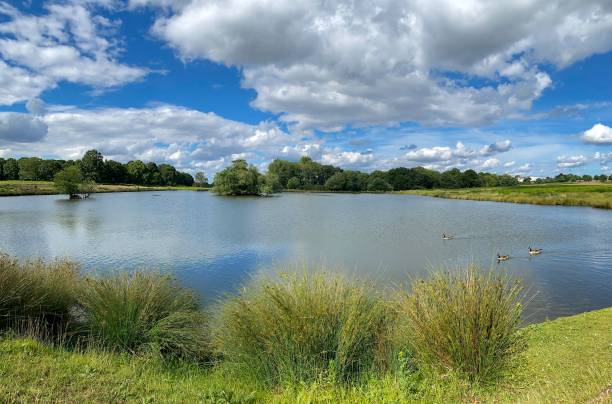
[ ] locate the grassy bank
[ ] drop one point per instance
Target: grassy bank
(307, 335)
(593, 195)
(568, 360)
(18, 188)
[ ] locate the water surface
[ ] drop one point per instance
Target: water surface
(213, 244)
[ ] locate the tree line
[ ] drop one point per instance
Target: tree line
(306, 174)
(93, 167)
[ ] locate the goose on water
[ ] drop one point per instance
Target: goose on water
(535, 251)
(447, 236)
(502, 257)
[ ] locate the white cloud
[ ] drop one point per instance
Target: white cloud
(603, 158)
(68, 43)
(346, 158)
(598, 134)
(491, 163)
(525, 168)
(324, 64)
(460, 152)
(21, 128)
(571, 161)
(509, 164)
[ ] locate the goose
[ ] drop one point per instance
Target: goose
(447, 236)
(502, 257)
(534, 251)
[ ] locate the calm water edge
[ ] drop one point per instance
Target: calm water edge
(214, 244)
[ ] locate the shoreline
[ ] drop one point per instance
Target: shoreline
(568, 359)
(563, 194)
(32, 188)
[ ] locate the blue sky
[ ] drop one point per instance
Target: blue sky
(517, 87)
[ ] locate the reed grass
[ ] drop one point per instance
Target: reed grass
(466, 321)
(37, 295)
(302, 327)
(144, 312)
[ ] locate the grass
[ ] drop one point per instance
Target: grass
(34, 292)
(465, 321)
(568, 360)
(305, 337)
(594, 195)
(297, 328)
(19, 188)
(144, 312)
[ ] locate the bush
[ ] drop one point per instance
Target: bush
(144, 312)
(466, 321)
(302, 327)
(37, 293)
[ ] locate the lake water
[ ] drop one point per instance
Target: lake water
(213, 244)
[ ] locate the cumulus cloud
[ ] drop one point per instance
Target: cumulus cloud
(491, 163)
(571, 161)
(21, 128)
(603, 158)
(460, 153)
(347, 158)
(67, 43)
(324, 64)
(598, 134)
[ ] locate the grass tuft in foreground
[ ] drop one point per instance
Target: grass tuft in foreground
(465, 321)
(301, 327)
(144, 312)
(37, 295)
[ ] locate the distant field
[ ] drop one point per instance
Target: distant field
(596, 195)
(16, 188)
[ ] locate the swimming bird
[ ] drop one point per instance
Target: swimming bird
(502, 257)
(534, 251)
(447, 236)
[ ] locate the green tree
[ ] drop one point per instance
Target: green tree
(70, 181)
(378, 184)
(114, 172)
(293, 183)
(237, 179)
(2, 168)
(92, 165)
(200, 179)
(48, 168)
(336, 182)
(470, 179)
(28, 168)
(136, 171)
(11, 169)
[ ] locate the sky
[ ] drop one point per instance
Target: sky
(518, 86)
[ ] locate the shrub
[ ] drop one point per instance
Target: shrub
(466, 321)
(302, 327)
(144, 312)
(37, 292)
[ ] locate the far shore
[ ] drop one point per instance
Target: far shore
(596, 195)
(23, 188)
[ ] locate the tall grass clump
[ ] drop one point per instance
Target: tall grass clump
(465, 321)
(35, 293)
(302, 327)
(144, 312)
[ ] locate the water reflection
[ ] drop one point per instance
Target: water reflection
(213, 244)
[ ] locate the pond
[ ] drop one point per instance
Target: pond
(214, 244)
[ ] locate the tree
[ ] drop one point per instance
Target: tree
(136, 171)
(200, 180)
(378, 184)
(28, 168)
(269, 184)
(48, 168)
(336, 182)
(114, 172)
(293, 183)
(92, 165)
(237, 179)
(11, 169)
(70, 181)
(470, 179)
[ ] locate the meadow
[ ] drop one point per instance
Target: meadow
(596, 195)
(305, 335)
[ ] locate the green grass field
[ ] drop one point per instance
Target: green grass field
(595, 195)
(17, 188)
(567, 360)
